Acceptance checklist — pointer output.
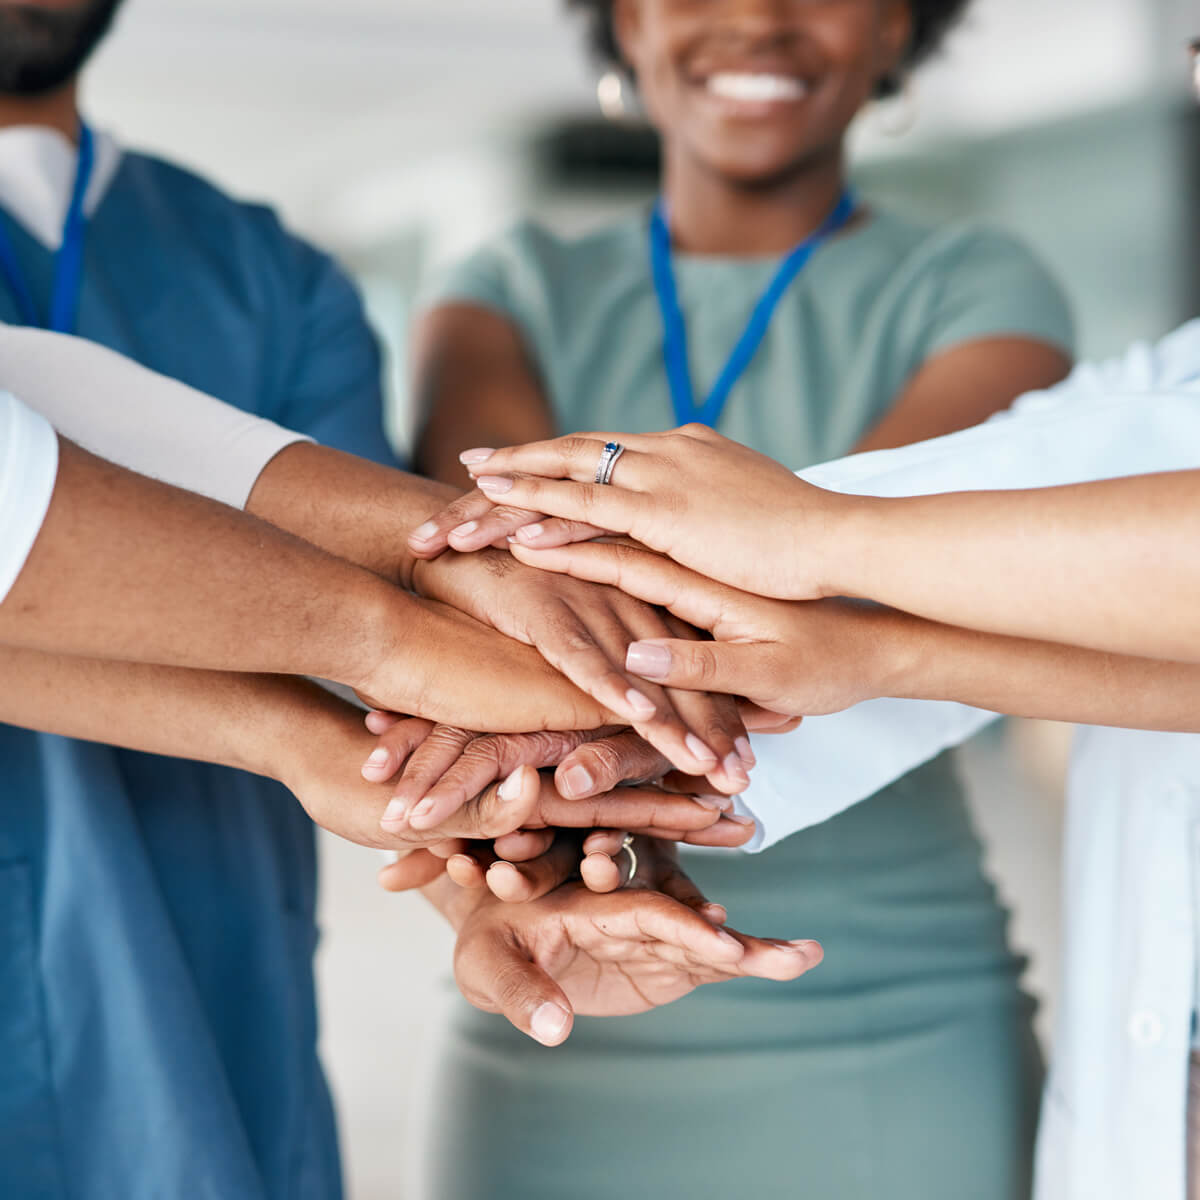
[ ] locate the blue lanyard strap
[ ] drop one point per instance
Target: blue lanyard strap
(675, 350)
(68, 262)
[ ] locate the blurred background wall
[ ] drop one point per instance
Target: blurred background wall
(400, 132)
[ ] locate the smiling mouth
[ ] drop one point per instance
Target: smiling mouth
(756, 87)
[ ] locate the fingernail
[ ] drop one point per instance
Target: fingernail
(494, 484)
(746, 751)
(641, 706)
(376, 764)
(510, 789)
(502, 868)
(548, 1024)
(394, 813)
(471, 457)
(466, 529)
(739, 819)
(422, 810)
(809, 949)
(577, 781)
(716, 803)
(653, 662)
(699, 750)
(716, 912)
(529, 533)
(423, 533)
(726, 936)
(736, 770)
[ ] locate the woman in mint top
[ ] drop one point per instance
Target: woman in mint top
(906, 1066)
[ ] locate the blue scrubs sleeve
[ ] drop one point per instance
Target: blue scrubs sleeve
(334, 390)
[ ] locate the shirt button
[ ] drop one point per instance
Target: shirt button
(1146, 1028)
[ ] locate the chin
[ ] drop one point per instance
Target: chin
(746, 167)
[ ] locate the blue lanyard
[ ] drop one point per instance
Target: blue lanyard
(675, 351)
(68, 262)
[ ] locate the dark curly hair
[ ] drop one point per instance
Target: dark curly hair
(932, 20)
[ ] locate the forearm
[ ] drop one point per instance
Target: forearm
(475, 384)
(1026, 678)
(128, 568)
(259, 723)
(355, 509)
(1109, 565)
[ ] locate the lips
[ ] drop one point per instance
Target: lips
(755, 87)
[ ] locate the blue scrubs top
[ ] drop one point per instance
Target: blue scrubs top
(158, 1027)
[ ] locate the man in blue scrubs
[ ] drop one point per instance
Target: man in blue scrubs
(157, 1017)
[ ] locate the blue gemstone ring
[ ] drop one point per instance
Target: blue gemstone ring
(608, 461)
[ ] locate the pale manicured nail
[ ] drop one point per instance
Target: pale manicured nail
(469, 458)
(424, 533)
(735, 769)
(503, 868)
(376, 764)
(494, 485)
(578, 781)
(530, 533)
(641, 706)
(799, 947)
(548, 1024)
(510, 789)
(423, 809)
(699, 750)
(726, 936)
(652, 662)
(715, 910)
(393, 813)
(465, 530)
(739, 819)
(716, 803)
(746, 751)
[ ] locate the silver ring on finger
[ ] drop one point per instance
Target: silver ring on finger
(627, 847)
(608, 461)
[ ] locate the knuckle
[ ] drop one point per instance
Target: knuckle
(573, 445)
(510, 987)
(484, 751)
(606, 760)
(450, 735)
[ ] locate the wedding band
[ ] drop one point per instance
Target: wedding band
(627, 846)
(608, 461)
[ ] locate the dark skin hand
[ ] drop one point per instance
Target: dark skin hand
(573, 951)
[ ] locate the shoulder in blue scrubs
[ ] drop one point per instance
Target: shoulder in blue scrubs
(157, 1017)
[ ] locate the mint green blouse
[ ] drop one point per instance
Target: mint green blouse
(852, 330)
(905, 1066)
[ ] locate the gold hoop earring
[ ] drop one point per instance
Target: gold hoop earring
(897, 115)
(610, 95)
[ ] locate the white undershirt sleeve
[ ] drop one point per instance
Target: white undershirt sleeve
(1135, 416)
(131, 416)
(28, 469)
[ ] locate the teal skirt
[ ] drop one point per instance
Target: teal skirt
(904, 1067)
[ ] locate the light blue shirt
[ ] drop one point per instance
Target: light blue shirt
(1113, 1121)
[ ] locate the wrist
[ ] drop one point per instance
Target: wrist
(382, 620)
(820, 528)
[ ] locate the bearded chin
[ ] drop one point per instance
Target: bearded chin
(42, 49)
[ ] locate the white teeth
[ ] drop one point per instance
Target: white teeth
(738, 85)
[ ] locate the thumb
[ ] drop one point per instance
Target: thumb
(411, 871)
(737, 668)
(495, 975)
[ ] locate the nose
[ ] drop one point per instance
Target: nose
(755, 19)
